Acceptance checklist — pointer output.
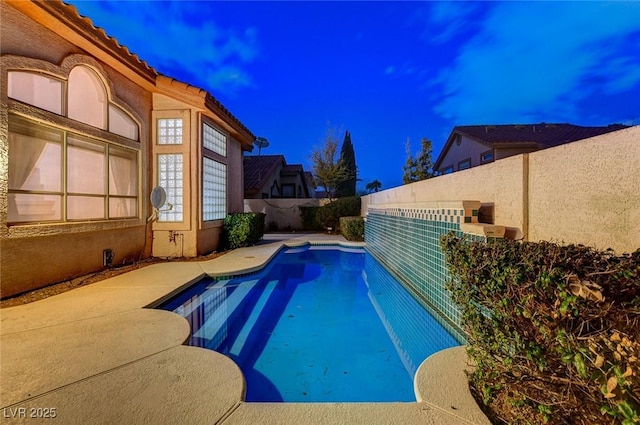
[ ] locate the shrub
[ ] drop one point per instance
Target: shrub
(309, 217)
(553, 330)
(242, 229)
(329, 215)
(352, 228)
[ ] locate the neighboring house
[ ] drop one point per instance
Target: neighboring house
(472, 145)
(269, 176)
(311, 183)
(87, 129)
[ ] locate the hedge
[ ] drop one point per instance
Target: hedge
(554, 331)
(242, 229)
(309, 217)
(329, 214)
(352, 228)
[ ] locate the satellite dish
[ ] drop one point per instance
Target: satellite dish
(261, 142)
(158, 197)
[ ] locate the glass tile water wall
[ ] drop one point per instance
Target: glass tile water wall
(407, 242)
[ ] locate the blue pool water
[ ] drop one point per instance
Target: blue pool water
(317, 324)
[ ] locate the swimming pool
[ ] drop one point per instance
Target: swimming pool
(318, 324)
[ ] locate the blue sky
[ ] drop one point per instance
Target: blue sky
(388, 71)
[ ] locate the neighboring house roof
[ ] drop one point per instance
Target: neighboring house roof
(104, 47)
(257, 169)
(540, 136)
(292, 169)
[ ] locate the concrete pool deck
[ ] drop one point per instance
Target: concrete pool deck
(96, 355)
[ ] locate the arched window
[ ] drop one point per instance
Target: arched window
(87, 97)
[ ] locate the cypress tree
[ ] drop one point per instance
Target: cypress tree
(348, 159)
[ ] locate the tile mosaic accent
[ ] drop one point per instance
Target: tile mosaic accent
(407, 242)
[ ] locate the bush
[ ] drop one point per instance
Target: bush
(352, 228)
(553, 330)
(242, 229)
(309, 217)
(329, 215)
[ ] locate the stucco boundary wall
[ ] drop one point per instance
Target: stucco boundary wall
(283, 213)
(585, 192)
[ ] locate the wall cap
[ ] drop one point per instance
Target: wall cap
(483, 229)
(467, 205)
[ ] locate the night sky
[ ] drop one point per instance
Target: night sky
(388, 71)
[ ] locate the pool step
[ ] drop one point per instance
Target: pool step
(224, 309)
(252, 319)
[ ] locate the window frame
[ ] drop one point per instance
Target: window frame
(467, 160)
(66, 98)
(65, 193)
(220, 215)
(483, 154)
(291, 186)
(447, 170)
(212, 155)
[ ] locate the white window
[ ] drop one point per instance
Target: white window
(170, 172)
(86, 177)
(35, 173)
(121, 123)
(214, 190)
(36, 89)
(214, 140)
(123, 183)
(169, 131)
(87, 97)
(61, 176)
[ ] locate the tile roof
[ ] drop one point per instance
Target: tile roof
(257, 169)
(544, 135)
(69, 14)
(292, 169)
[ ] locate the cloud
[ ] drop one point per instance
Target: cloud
(448, 19)
(536, 59)
(390, 70)
(180, 39)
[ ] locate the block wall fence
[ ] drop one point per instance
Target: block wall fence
(586, 192)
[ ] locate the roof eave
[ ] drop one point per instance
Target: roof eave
(65, 21)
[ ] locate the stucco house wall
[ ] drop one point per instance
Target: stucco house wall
(34, 255)
(50, 38)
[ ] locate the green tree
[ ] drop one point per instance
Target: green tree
(328, 171)
(420, 167)
(374, 186)
(348, 159)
